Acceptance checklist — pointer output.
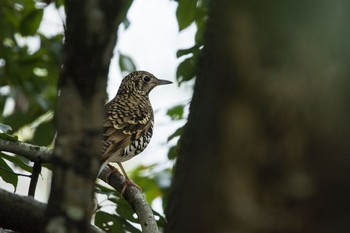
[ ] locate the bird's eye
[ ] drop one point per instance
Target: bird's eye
(146, 78)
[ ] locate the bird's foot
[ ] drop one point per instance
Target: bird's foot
(127, 183)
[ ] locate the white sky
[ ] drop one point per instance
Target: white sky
(152, 41)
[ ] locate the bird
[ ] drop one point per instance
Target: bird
(129, 121)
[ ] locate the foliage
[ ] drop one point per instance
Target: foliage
(121, 218)
(7, 174)
(188, 12)
(28, 90)
(28, 79)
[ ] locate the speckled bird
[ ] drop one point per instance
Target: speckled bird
(129, 119)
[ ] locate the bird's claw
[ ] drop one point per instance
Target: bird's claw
(127, 183)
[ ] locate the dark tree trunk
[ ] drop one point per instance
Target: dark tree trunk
(266, 147)
(89, 41)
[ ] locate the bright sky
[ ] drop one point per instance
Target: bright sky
(152, 41)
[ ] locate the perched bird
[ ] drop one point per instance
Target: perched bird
(128, 124)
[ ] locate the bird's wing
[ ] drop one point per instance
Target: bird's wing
(125, 121)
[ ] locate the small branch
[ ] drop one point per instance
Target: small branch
(135, 198)
(32, 152)
(24, 214)
(34, 179)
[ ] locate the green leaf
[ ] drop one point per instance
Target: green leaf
(149, 187)
(104, 220)
(177, 133)
(186, 13)
(172, 153)
(161, 220)
(151, 182)
(126, 23)
(31, 22)
(47, 166)
(124, 210)
(9, 137)
(176, 112)
(101, 189)
(201, 18)
(19, 119)
(186, 70)
(58, 3)
(7, 174)
(182, 52)
(18, 161)
(44, 134)
(113, 223)
(126, 63)
(124, 11)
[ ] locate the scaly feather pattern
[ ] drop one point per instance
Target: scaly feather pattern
(128, 124)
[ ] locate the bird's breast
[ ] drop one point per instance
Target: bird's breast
(136, 146)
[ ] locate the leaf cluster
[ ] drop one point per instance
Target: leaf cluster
(29, 70)
(28, 75)
(190, 12)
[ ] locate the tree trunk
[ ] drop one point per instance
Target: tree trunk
(266, 145)
(89, 41)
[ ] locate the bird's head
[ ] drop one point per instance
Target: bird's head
(140, 82)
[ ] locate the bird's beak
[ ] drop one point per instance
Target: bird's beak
(163, 82)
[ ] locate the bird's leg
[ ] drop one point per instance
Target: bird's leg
(128, 181)
(112, 170)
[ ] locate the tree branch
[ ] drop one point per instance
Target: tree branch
(24, 214)
(32, 152)
(132, 195)
(34, 178)
(135, 198)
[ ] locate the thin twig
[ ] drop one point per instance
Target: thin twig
(34, 180)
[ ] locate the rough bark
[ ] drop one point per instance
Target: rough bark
(90, 36)
(266, 145)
